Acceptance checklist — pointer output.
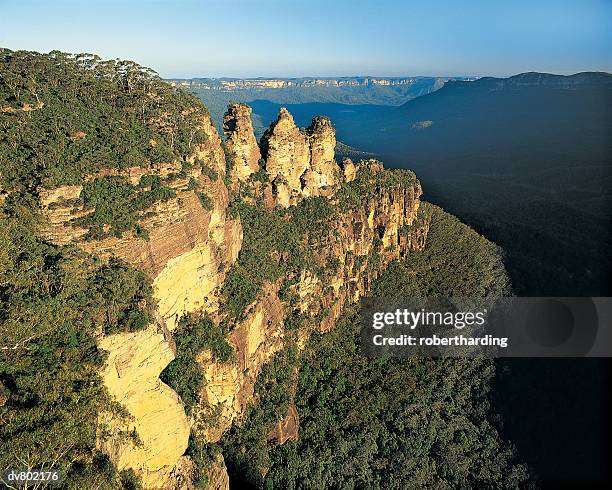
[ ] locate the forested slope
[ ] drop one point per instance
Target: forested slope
(386, 423)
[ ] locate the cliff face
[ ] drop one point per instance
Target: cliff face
(229, 387)
(280, 83)
(361, 242)
(188, 253)
(189, 247)
(155, 413)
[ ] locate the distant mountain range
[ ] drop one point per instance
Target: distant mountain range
(216, 93)
(232, 84)
(527, 160)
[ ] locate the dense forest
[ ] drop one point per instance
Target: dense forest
(97, 114)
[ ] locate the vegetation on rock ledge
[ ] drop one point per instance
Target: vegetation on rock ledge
(194, 335)
(277, 243)
(116, 205)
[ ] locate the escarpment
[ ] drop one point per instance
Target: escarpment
(377, 221)
(190, 239)
(374, 220)
(186, 245)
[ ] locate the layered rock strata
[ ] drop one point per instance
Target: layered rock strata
(189, 248)
(361, 242)
(188, 253)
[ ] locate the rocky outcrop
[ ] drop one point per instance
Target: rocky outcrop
(362, 241)
(241, 141)
(216, 475)
(323, 175)
(153, 435)
(382, 226)
(349, 170)
(189, 248)
(4, 394)
(299, 162)
(24, 108)
(188, 253)
(287, 155)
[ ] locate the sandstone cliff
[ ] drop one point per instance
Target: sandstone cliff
(241, 141)
(189, 250)
(187, 253)
(189, 247)
(361, 242)
(283, 83)
(154, 435)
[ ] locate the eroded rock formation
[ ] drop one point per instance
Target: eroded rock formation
(241, 141)
(189, 248)
(287, 428)
(287, 155)
(188, 253)
(229, 387)
(361, 241)
(323, 174)
(154, 434)
(299, 162)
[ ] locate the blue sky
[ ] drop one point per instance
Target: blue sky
(241, 38)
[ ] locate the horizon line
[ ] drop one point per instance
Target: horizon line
(384, 77)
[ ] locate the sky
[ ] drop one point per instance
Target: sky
(274, 38)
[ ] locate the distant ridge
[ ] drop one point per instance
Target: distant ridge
(532, 151)
(230, 84)
(533, 78)
(529, 81)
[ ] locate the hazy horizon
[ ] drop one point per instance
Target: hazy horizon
(292, 39)
(331, 77)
